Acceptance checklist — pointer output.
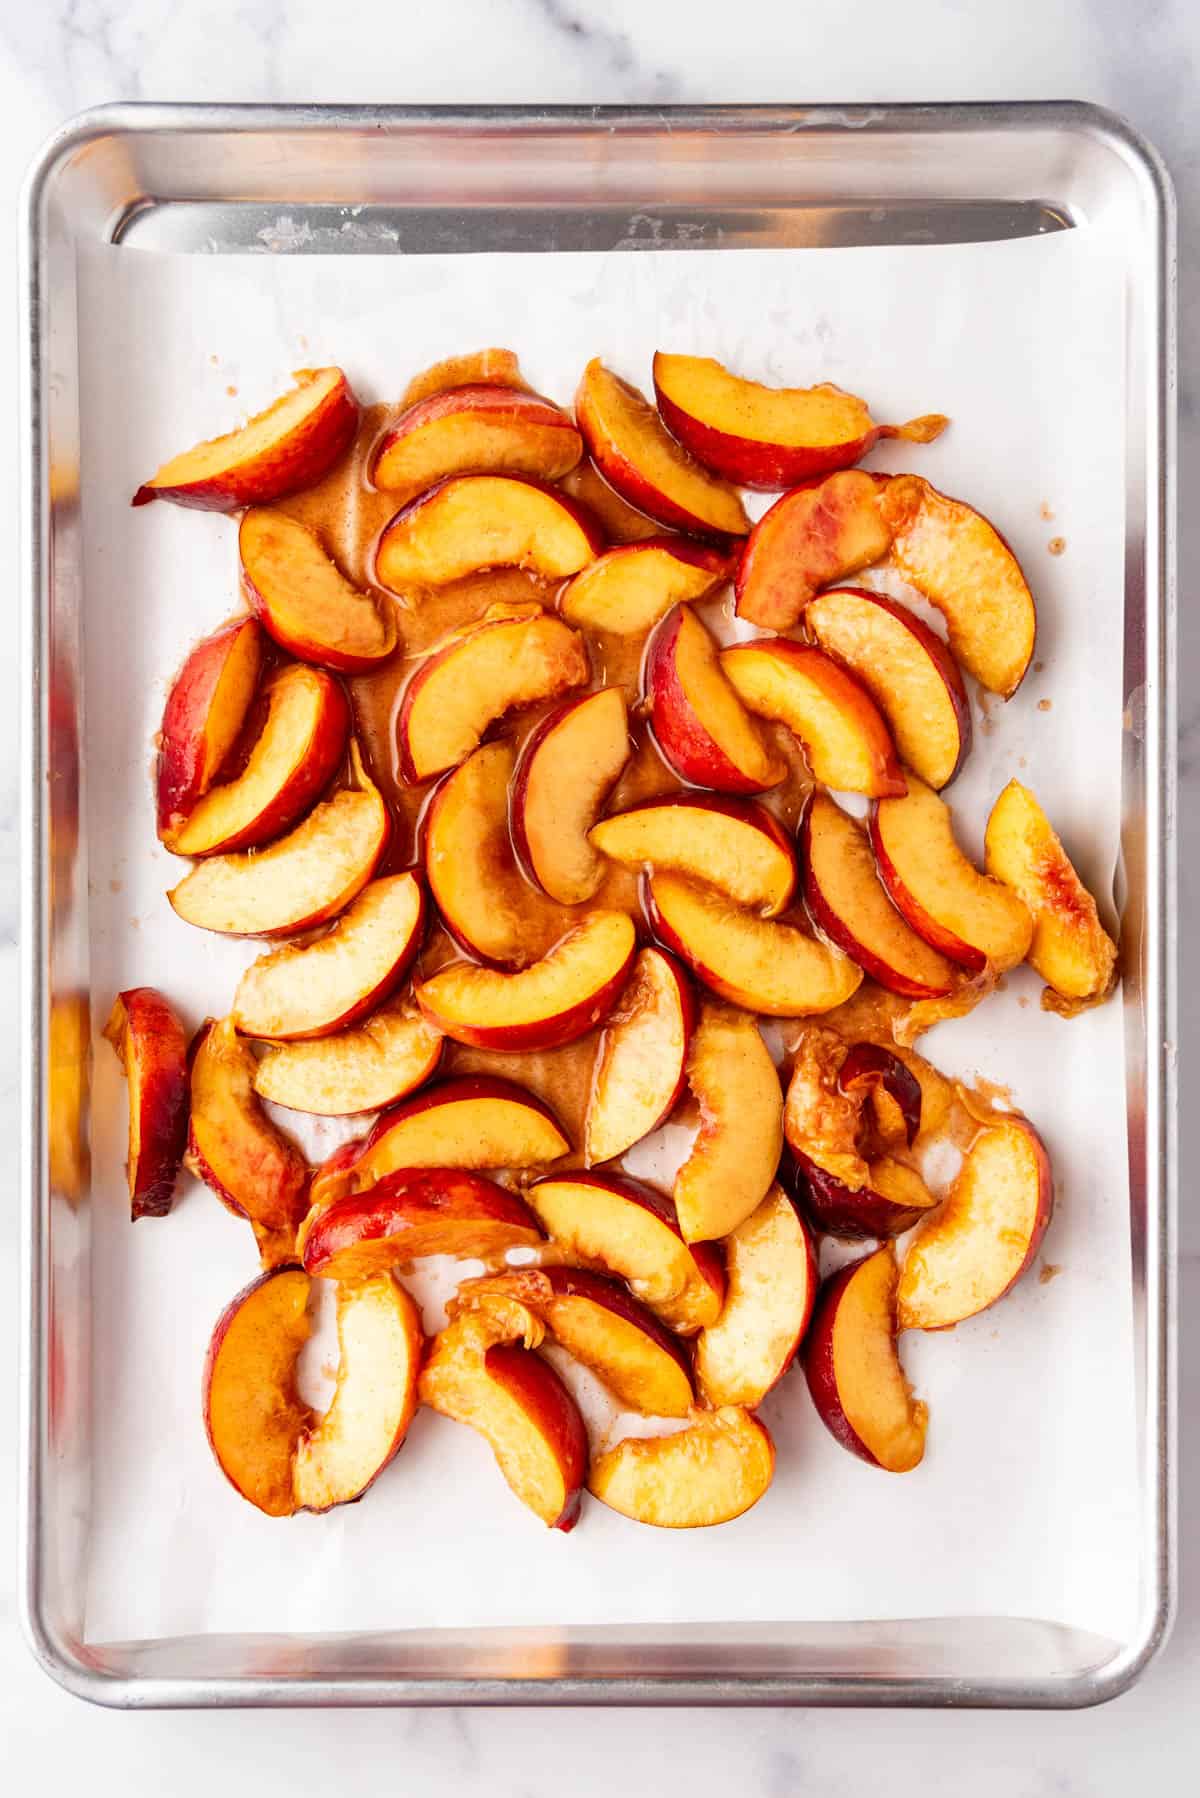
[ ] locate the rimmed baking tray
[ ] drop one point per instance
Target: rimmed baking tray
(217, 179)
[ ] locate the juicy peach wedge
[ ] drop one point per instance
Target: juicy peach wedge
(629, 588)
(844, 737)
(203, 717)
(149, 1042)
(708, 1473)
(641, 1059)
(474, 429)
(737, 1148)
(360, 1069)
(568, 766)
(854, 1372)
(700, 725)
(475, 368)
(771, 1265)
(809, 539)
(410, 1214)
(473, 521)
(305, 601)
(734, 845)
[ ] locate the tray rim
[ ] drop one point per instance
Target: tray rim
(61, 1659)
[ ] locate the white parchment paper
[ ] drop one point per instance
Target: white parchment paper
(1025, 1503)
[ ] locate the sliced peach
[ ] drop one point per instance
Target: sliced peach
(845, 740)
(964, 567)
(253, 1415)
(736, 1152)
(289, 446)
(629, 588)
(762, 964)
(985, 1235)
(893, 1198)
(851, 908)
(412, 1213)
(150, 1044)
(854, 1372)
(771, 1266)
(810, 538)
(708, 1473)
(567, 768)
(556, 1000)
(477, 368)
(474, 521)
(292, 760)
(872, 1072)
(471, 430)
(1071, 949)
(732, 844)
(311, 991)
(301, 880)
(641, 1061)
(305, 601)
(636, 455)
(624, 1227)
(769, 436)
(700, 724)
(966, 915)
(476, 1121)
(203, 717)
(462, 688)
(389, 1055)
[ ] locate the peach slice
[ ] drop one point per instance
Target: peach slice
(851, 908)
(305, 601)
(626, 1228)
(302, 992)
(389, 1055)
(473, 521)
(476, 1121)
(462, 688)
(770, 436)
(844, 737)
(477, 368)
(476, 429)
(556, 1000)
(734, 845)
(1071, 949)
(907, 668)
(854, 1373)
(302, 879)
(893, 1199)
(771, 1266)
(960, 912)
(636, 455)
(479, 1375)
(762, 964)
(736, 1152)
(151, 1047)
(253, 1415)
(629, 588)
(700, 725)
(872, 1072)
(293, 759)
(412, 1213)
(985, 1235)
(709, 1473)
(640, 1064)
(234, 1148)
(289, 446)
(597, 1320)
(568, 766)
(809, 539)
(964, 567)
(203, 717)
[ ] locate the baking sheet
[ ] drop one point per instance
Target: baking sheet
(1026, 1502)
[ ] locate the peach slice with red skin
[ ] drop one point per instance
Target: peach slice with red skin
(412, 1213)
(809, 539)
(634, 452)
(477, 368)
(473, 521)
(629, 588)
(149, 1042)
(568, 766)
(769, 437)
(985, 1235)
(735, 845)
(471, 430)
(908, 670)
(771, 1267)
(291, 445)
(709, 1473)
(554, 1001)
(291, 762)
(700, 725)
(966, 915)
(203, 717)
(846, 743)
(871, 1071)
(893, 1199)
(304, 600)
(854, 1373)
(361, 1069)
(306, 992)
(641, 1060)
(736, 1153)
(503, 663)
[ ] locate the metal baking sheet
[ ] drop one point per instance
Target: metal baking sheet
(207, 180)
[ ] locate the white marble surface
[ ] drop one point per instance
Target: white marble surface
(57, 56)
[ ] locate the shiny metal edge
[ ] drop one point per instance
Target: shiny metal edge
(62, 1660)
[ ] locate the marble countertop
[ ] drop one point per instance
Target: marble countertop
(58, 56)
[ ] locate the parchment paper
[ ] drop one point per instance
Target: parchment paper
(1025, 1503)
